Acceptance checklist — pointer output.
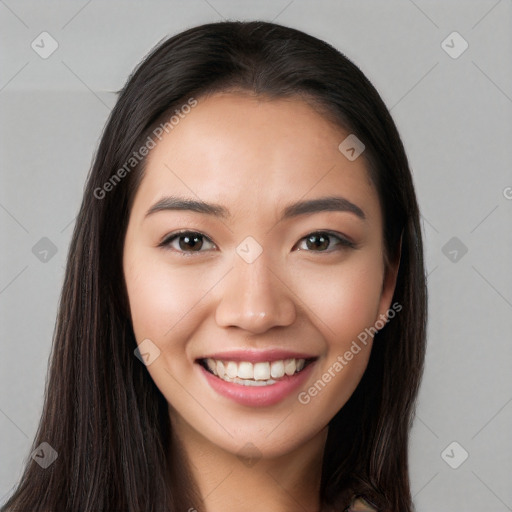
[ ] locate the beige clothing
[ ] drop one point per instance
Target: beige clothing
(359, 504)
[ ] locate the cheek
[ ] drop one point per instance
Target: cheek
(160, 298)
(165, 306)
(345, 298)
(346, 302)
(149, 300)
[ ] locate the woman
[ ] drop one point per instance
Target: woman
(242, 322)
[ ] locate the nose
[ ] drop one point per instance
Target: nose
(255, 298)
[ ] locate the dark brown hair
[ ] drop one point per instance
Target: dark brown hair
(102, 412)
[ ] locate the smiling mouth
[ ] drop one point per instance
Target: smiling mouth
(246, 373)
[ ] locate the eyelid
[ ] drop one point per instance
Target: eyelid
(344, 241)
(168, 238)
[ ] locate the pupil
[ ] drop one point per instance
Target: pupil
(322, 245)
(191, 240)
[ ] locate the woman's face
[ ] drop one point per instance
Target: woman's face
(255, 287)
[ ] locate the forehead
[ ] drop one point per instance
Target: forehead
(254, 154)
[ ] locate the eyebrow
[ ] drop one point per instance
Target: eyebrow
(321, 204)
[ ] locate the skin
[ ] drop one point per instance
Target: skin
(254, 156)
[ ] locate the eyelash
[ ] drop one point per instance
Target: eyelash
(343, 242)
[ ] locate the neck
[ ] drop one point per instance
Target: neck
(247, 480)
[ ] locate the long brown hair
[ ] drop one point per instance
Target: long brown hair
(102, 413)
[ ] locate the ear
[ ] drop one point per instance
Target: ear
(389, 282)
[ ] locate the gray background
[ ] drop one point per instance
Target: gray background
(454, 115)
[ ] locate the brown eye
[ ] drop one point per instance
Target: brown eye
(188, 241)
(321, 240)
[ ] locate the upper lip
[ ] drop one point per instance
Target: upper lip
(257, 356)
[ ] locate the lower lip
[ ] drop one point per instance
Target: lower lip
(258, 396)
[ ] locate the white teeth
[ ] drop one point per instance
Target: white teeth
(249, 382)
(232, 369)
(262, 371)
(277, 369)
(220, 369)
(245, 370)
(257, 374)
(289, 366)
(212, 365)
